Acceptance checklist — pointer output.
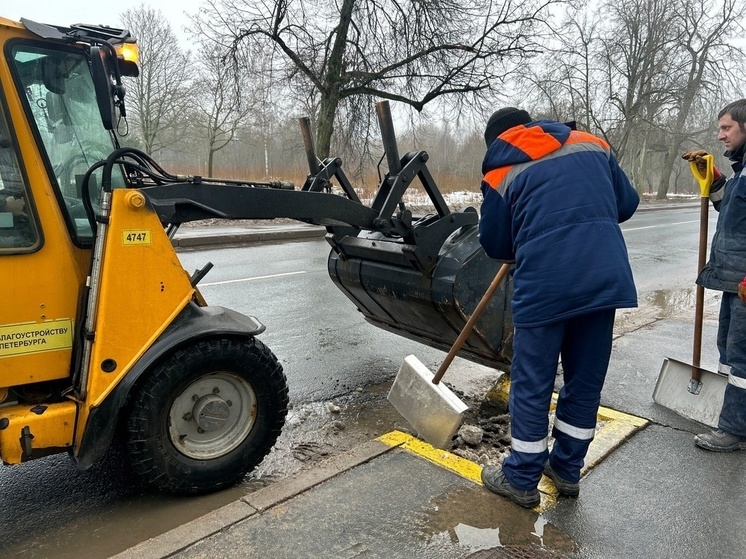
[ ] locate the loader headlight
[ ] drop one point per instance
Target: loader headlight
(128, 55)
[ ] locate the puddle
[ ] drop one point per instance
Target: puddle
(475, 520)
(662, 304)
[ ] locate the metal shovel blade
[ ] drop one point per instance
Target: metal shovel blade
(672, 392)
(433, 410)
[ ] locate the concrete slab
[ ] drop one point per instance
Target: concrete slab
(659, 496)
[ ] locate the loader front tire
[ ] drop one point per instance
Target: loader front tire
(206, 416)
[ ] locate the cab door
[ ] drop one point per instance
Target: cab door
(45, 239)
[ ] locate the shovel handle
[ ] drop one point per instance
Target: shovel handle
(501, 273)
(700, 295)
(705, 183)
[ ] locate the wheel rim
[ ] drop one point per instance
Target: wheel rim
(212, 416)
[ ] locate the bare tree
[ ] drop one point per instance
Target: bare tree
(219, 105)
(643, 76)
(158, 97)
(705, 54)
(403, 50)
(564, 82)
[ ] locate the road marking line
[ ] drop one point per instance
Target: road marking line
(251, 279)
(662, 225)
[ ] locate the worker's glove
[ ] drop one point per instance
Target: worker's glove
(742, 290)
(698, 156)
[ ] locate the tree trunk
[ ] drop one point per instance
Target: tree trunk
(330, 95)
(325, 129)
(667, 169)
(210, 157)
(640, 174)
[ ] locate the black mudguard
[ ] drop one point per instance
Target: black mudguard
(193, 323)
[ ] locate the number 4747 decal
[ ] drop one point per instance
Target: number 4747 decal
(136, 237)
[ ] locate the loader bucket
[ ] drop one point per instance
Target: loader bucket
(432, 306)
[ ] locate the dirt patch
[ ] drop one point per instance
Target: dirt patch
(484, 435)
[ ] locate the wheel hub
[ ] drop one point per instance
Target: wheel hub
(212, 416)
(211, 412)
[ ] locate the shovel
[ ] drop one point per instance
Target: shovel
(432, 408)
(690, 390)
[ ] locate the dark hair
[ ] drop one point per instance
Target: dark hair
(736, 110)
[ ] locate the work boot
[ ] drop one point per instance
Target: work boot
(720, 441)
(565, 488)
(494, 480)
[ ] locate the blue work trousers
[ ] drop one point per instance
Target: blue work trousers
(584, 345)
(731, 342)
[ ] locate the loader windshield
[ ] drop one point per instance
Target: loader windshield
(61, 101)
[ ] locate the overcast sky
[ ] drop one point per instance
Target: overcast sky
(61, 12)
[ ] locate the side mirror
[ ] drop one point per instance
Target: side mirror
(103, 86)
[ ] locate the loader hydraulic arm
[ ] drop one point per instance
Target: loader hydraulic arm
(385, 231)
(190, 201)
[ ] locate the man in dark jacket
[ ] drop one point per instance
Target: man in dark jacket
(553, 201)
(725, 272)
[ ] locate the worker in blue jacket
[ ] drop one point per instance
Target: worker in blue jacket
(726, 271)
(553, 200)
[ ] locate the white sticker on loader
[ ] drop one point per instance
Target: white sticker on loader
(21, 339)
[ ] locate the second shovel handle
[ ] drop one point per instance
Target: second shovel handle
(466, 331)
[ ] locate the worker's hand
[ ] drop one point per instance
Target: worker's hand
(698, 157)
(15, 206)
(742, 291)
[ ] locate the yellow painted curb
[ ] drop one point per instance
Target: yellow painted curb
(616, 428)
(461, 466)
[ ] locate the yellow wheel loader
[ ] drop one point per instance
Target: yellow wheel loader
(104, 335)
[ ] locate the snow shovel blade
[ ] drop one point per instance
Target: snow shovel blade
(433, 410)
(672, 392)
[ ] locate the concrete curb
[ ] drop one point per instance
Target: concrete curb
(254, 236)
(186, 535)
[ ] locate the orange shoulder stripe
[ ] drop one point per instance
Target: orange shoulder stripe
(496, 176)
(577, 136)
(533, 141)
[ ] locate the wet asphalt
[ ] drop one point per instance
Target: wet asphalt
(654, 495)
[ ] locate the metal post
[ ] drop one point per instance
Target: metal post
(388, 137)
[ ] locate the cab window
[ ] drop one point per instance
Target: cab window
(18, 229)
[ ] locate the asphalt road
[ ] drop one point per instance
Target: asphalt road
(48, 509)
